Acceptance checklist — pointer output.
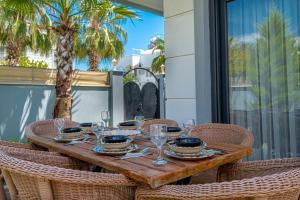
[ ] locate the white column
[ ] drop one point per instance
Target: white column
(184, 41)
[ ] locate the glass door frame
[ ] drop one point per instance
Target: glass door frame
(219, 61)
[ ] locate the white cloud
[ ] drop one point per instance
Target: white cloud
(250, 38)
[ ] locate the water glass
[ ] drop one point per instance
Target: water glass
(139, 122)
(59, 124)
(189, 125)
(105, 116)
(98, 128)
(158, 135)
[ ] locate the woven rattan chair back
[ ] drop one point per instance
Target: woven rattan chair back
(168, 122)
(281, 186)
(46, 127)
(43, 157)
(224, 133)
(39, 181)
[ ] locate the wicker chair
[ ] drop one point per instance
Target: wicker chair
(149, 122)
(220, 133)
(38, 181)
(20, 147)
(49, 158)
(46, 127)
(224, 133)
(264, 184)
(15, 144)
(251, 169)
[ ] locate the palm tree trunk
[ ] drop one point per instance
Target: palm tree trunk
(64, 60)
(13, 51)
(93, 60)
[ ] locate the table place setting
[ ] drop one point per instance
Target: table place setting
(120, 142)
(115, 145)
(152, 152)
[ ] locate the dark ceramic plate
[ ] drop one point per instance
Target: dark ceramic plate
(72, 130)
(115, 139)
(86, 124)
(173, 129)
(129, 123)
(188, 142)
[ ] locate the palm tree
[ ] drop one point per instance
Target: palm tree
(275, 80)
(104, 37)
(158, 63)
(67, 17)
(20, 30)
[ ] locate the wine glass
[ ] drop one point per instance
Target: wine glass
(98, 129)
(158, 135)
(59, 123)
(189, 125)
(105, 116)
(139, 122)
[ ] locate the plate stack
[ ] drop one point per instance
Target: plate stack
(86, 127)
(74, 133)
(128, 125)
(174, 132)
(115, 145)
(129, 133)
(187, 149)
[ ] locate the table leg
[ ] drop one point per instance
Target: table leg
(184, 181)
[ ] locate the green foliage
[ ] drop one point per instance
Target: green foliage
(24, 26)
(26, 63)
(271, 65)
(3, 63)
(104, 32)
(105, 69)
(158, 63)
(129, 77)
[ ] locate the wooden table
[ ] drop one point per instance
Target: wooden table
(141, 169)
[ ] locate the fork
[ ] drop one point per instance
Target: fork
(86, 139)
(142, 153)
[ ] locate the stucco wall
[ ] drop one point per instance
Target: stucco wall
(188, 88)
(23, 104)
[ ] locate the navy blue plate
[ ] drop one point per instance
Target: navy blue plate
(174, 129)
(72, 130)
(115, 139)
(188, 142)
(86, 124)
(129, 123)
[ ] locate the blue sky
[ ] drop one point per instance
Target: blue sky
(139, 34)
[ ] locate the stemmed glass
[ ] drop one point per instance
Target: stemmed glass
(139, 122)
(158, 135)
(189, 125)
(105, 116)
(98, 129)
(59, 123)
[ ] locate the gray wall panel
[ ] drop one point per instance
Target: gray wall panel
(23, 104)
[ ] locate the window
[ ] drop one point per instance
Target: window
(263, 44)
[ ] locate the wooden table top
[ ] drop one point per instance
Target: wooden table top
(141, 169)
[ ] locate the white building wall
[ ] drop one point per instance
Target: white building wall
(186, 98)
(180, 64)
(49, 59)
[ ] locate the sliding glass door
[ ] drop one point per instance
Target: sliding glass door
(263, 45)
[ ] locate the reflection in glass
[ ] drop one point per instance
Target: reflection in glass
(264, 56)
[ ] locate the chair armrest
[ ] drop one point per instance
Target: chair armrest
(274, 185)
(58, 174)
(44, 157)
(242, 170)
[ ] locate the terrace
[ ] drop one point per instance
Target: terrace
(215, 117)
